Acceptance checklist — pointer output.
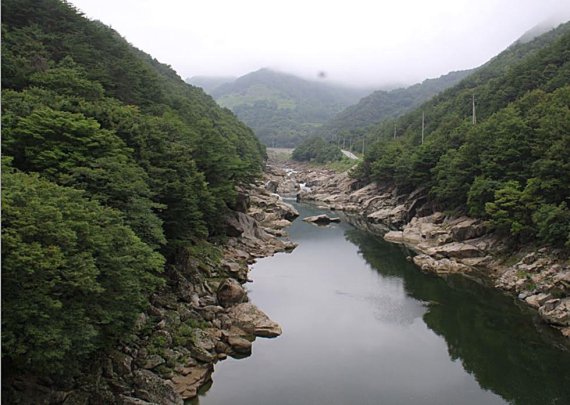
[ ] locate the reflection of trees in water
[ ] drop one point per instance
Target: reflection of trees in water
(496, 340)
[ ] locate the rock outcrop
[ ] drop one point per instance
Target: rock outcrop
(322, 219)
(445, 244)
(249, 318)
(230, 292)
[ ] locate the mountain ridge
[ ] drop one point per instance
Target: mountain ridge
(283, 108)
(382, 104)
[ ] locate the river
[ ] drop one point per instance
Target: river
(362, 325)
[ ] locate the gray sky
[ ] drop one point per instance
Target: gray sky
(359, 42)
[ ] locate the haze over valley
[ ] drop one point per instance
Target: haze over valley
(380, 188)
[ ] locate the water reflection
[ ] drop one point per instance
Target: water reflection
(502, 344)
(361, 325)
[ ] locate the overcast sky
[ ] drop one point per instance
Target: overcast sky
(359, 42)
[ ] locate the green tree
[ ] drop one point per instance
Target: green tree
(73, 276)
(73, 150)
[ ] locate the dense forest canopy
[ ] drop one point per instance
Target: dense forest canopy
(510, 163)
(351, 124)
(112, 167)
(316, 149)
(283, 109)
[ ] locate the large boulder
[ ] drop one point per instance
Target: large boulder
(230, 292)
(239, 344)
(467, 228)
(252, 320)
(191, 379)
(322, 219)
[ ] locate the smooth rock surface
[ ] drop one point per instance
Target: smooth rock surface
(252, 320)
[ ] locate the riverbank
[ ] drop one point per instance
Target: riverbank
(362, 325)
(443, 244)
(200, 317)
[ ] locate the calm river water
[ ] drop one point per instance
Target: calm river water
(362, 325)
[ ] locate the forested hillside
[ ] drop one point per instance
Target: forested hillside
(351, 123)
(316, 149)
(283, 109)
(511, 164)
(113, 168)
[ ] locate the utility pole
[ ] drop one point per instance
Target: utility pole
(394, 130)
(474, 115)
(363, 140)
(423, 126)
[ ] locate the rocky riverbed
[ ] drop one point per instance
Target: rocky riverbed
(443, 243)
(200, 317)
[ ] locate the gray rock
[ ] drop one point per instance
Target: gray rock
(252, 320)
(394, 236)
(322, 219)
(556, 311)
(239, 344)
(202, 340)
(152, 361)
(221, 347)
(467, 228)
(122, 363)
(271, 186)
(455, 250)
(537, 300)
(150, 387)
(230, 292)
(187, 384)
(202, 355)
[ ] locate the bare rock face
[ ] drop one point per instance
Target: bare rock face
(252, 320)
(322, 219)
(251, 229)
(467, 228)
(556, 311)
(393, 216)
(187, 383)
(455, 250)
(230, 292)
(152, 388)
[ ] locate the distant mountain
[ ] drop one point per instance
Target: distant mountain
(209, 83)
(283, 109)
(387, 104)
